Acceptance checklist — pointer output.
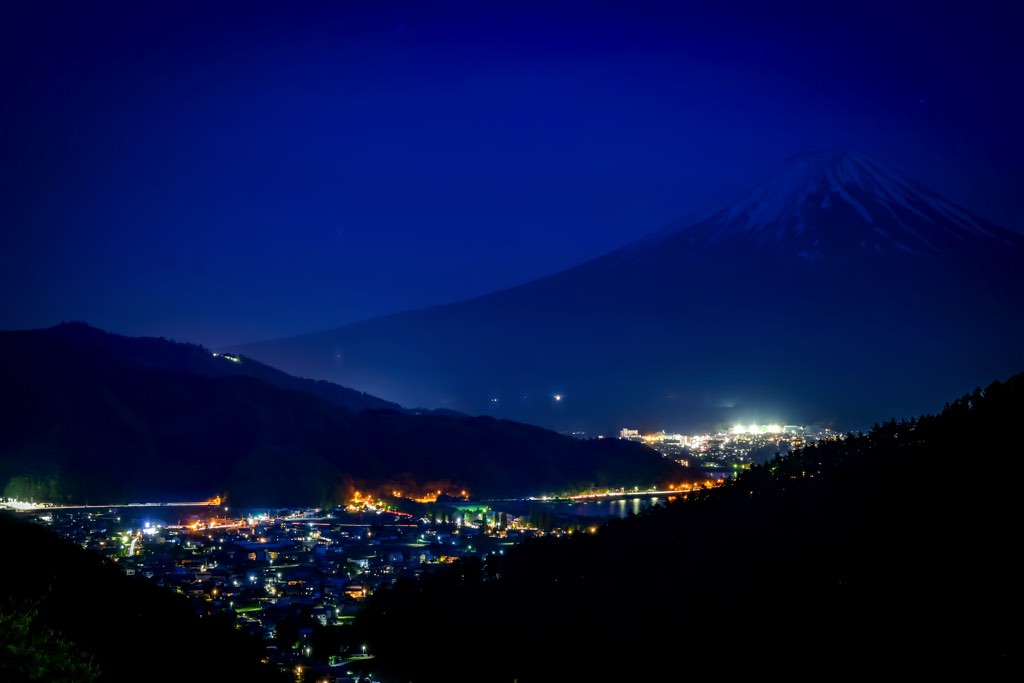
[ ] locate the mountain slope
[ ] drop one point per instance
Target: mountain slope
(87, 424)
(836, 292)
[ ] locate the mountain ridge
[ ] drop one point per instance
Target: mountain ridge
(161, 353)
(88, 425)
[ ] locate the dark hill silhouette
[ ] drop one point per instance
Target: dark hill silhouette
(163, 354)
(887, 551)
(69, 615)
(83, 423)
(836, 292)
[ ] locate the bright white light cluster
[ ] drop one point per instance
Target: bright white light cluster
(757, 429)
(20, 505)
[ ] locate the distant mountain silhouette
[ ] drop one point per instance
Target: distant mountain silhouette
(836, 292)
(92, 416)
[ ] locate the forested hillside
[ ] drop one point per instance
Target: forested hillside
(894, 547)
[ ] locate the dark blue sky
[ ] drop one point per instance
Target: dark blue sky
(242, 172)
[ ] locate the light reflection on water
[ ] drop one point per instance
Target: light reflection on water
(621, 507)
(618, 507)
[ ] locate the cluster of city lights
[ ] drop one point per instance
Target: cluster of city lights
(22, 505)
(757, 429)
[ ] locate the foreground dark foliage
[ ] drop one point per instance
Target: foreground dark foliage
(68, 615)
(888, 549)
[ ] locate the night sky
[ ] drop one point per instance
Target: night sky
(233, 173)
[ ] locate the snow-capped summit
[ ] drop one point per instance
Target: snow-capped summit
(829, 203)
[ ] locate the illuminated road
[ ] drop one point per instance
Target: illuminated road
(610, 495)
(625, 494)
(352, 659)
(29, 507)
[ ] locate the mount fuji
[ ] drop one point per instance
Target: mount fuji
(838, 292)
